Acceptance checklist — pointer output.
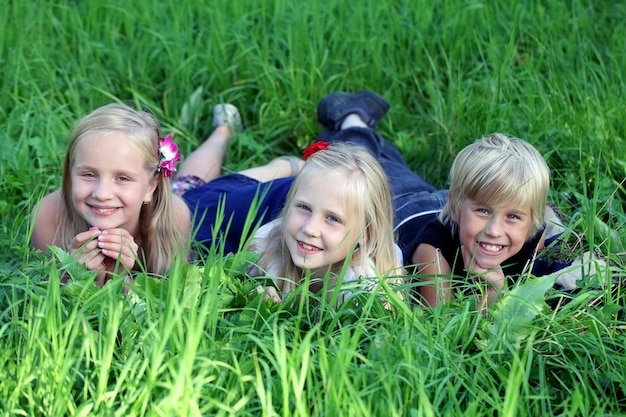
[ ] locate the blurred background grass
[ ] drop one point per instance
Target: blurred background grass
(549, 72)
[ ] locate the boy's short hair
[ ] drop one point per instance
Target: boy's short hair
(499, 169)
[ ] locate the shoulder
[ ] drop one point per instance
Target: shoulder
(266, 229)
(260, 240)
(52, 201)
(429, 229)
(437, 234)
(46, 218)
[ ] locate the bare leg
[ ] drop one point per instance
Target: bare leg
(281, 167)
(353, 120)
(206, 161)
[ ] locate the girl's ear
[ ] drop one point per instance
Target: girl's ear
(151, 188)
(363, 241)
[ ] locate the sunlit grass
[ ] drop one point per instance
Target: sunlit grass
(196, 343)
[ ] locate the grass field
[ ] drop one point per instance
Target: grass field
(551, 72)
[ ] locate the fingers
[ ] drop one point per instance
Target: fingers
(101, 250)
(470, 262)
(102, 277)
(270, 294)
(84, 247)
(84, 242)
(118, 245)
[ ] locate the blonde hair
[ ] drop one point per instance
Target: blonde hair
(159, 240)
(498, 169)
(366, 196)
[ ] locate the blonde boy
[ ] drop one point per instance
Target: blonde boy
(492, 223)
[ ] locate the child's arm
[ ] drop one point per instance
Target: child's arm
(435, 268)
(83, 246)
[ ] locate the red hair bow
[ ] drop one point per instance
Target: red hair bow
(311, 149)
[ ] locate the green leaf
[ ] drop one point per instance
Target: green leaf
(513, 314)
(193, 285)
(611, 241)
(238, 263)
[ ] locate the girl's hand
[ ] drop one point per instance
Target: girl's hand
(270, 293)
(101, 250)
(84, 247)
(118, 245)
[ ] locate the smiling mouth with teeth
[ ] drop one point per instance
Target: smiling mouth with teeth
(491, 248)
(104, 210)
(306, 246)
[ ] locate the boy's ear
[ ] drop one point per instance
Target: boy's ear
(454, 214)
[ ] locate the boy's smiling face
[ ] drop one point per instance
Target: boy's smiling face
(492, 233)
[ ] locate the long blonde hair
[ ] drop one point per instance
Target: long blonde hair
(159, 238)
(498, 169)
(366, 196)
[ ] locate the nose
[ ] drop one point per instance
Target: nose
(495, 227)
(102, 190)
(311, 227)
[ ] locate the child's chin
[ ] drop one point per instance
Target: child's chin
(105, 225)
(301, 264)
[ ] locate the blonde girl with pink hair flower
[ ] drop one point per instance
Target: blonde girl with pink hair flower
(115, 211)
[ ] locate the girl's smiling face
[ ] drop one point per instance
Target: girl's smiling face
(492, 233)
(318, 230)
(110, 181)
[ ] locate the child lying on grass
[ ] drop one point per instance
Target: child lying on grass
(494, 223)
(338, 210)
(115, 211)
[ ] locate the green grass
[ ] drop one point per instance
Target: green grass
(549, 72)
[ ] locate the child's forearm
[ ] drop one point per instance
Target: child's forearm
(436, 291)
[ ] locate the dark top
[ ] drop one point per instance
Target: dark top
(428, 229)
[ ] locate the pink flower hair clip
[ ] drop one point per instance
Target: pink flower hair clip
(169, 154)
(311, 149)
